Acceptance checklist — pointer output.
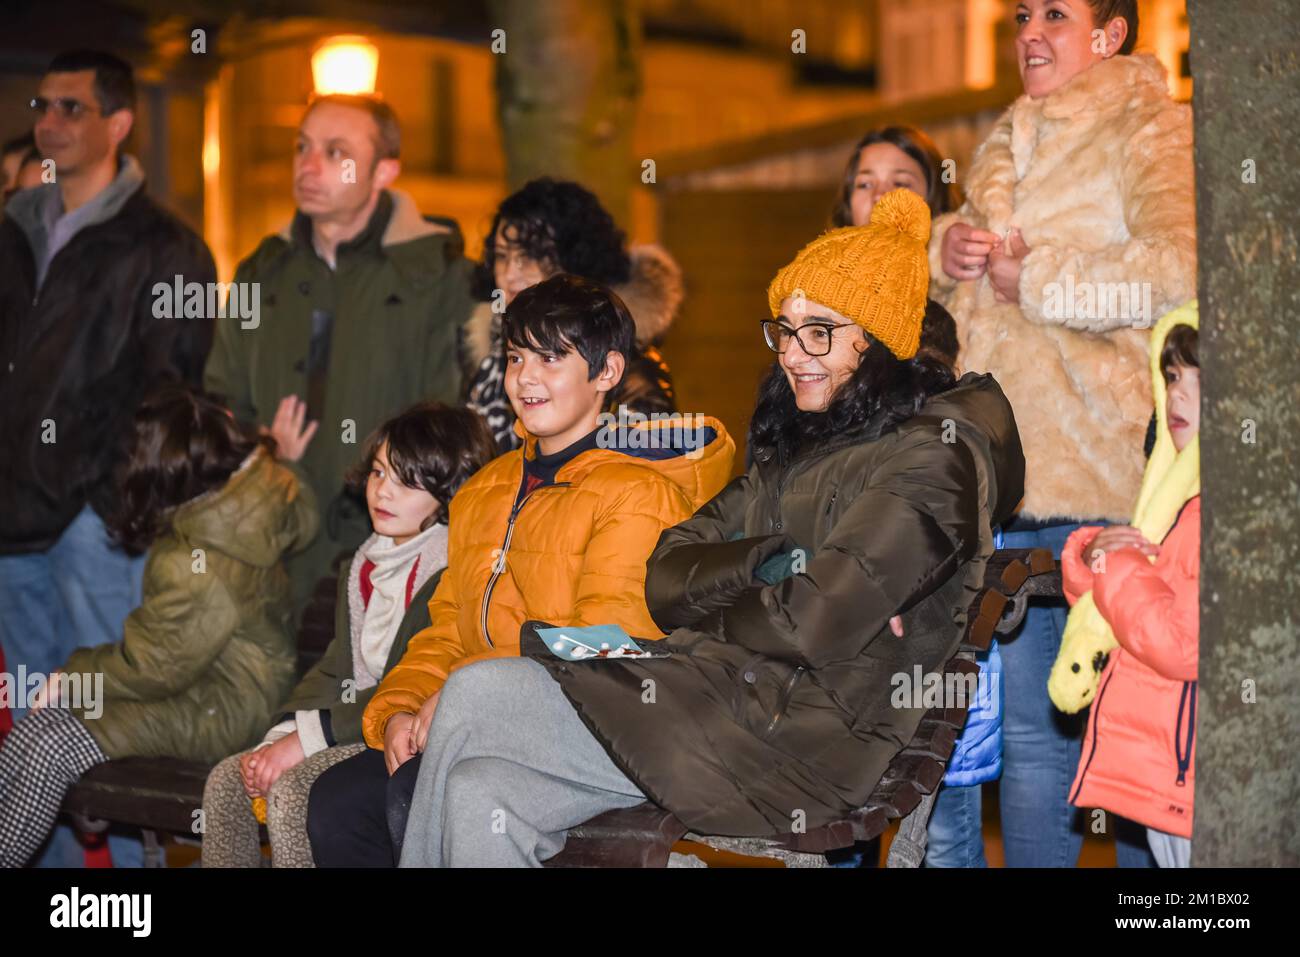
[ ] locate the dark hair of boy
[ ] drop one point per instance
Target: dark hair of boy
(183, 443)
(431, 446)
(1104, 11)
(560, 223)
(566, 312)
(939, 196)
(1180, 349)
(114, 80)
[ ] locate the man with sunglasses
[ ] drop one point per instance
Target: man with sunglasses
(79, 347)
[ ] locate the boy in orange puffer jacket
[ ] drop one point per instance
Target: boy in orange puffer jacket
(558, 530)
(1138, 753)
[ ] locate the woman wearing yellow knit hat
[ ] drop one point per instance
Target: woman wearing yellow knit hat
(875, 481)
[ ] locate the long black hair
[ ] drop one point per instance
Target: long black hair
(883, 392)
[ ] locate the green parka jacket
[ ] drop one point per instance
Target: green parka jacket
(774, 712)
(393, 306)
(210, 652)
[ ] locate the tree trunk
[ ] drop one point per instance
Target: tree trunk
(567, 87)
(1245, 60)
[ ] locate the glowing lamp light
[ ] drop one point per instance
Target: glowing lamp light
(345, 65)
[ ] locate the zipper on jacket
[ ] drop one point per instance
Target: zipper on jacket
(784, 701)
(1186, 705)
(830, 507)
(499, 565)
(1096, 722)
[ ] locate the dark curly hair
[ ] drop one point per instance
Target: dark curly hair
(883, 388)
(183, 443)
(431, 446)
(559, 223)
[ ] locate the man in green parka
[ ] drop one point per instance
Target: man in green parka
(346, 316)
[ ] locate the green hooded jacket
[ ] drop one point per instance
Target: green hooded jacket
(210, 652)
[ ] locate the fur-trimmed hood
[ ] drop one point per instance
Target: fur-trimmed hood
(653, 294)
(405, 225)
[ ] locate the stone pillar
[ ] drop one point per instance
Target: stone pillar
(1245, 59)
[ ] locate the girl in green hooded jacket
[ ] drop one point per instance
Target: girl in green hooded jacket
(209, 653)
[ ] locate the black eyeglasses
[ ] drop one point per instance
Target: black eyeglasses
(814, 337)
(67, 107)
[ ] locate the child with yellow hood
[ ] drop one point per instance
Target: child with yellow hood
(1135, 598)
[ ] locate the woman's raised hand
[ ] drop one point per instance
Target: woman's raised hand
(965, 253)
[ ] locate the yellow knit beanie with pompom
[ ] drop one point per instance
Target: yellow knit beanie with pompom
(877, 275)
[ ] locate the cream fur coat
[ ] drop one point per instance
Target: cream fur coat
(1098, 178)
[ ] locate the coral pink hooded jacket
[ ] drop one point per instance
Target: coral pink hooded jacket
(1138, 757)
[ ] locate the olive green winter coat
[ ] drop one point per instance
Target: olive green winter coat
(210, 652)
(774, 711)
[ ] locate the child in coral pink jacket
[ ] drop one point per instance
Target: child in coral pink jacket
(1138, 753)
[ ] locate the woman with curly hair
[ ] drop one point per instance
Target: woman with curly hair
(555, 226)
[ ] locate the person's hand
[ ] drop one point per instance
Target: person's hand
(397, 741)
(1114, 537)
(896, 626)
(291, 436)
(965, 253)
(246, 773)
(420, 730)
(1004, 267)
(268, 763)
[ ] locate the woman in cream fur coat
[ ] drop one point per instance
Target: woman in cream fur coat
(1077, 233)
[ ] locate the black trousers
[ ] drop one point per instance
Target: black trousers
(356, 813)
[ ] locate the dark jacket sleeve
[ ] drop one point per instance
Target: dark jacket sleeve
(192, 339)
(322, 686)
(908, 531)
(703, 563)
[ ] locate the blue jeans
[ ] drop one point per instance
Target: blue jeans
(1040, 744)
(76, 593)
(956, 831)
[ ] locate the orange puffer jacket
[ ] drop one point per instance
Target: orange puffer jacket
(1138, 757)
(571, 553)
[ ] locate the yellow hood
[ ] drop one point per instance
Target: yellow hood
(1170, 480)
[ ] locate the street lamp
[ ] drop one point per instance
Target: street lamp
(346, 64)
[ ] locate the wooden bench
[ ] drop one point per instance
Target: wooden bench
(649, 836)
(163, 796)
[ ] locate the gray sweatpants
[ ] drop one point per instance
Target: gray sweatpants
(508, 768)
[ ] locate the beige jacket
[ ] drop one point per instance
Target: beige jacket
(1098, 178)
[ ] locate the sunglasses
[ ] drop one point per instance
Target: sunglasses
(65, 107)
